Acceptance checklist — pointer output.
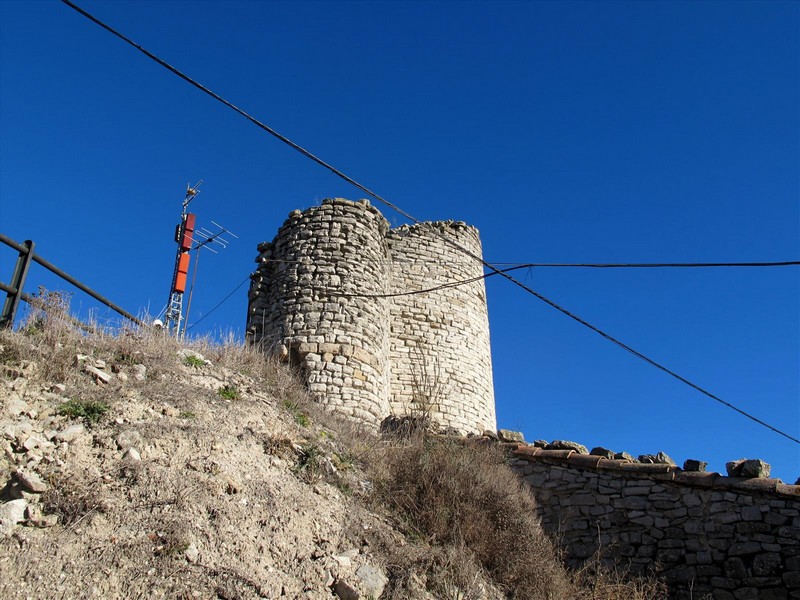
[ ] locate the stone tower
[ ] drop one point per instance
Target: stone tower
(349, 299)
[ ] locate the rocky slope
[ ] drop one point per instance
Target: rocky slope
(188, 480)
(133, 467)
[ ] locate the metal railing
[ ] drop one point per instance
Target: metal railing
(14, 291)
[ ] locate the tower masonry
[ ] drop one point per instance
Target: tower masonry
(371, 317)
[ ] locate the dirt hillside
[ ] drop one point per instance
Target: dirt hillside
(135, 467)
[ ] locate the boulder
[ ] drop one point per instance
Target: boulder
(98, 375)
(129, 438)
(373, 581)
(344, 591)
(139, 372)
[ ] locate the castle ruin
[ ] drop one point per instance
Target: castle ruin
(362, 309)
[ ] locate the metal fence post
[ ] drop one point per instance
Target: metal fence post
(17, 282)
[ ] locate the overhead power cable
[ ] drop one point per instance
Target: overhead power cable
(449, 284)
(521, 265)
(402, 212)
(220, 303)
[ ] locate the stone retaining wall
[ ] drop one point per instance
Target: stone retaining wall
(332, 294)
(728, 537)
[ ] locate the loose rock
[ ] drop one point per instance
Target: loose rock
(600, 451)
(567, 445)
(373, 581)
(70, 433)
(30, 482)
(11, 513)
(127, 439)
(506, 435)
(99, 376)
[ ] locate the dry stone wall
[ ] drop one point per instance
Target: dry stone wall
(439, 340)
(727, 538)
(344, 296)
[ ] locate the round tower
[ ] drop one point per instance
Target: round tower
(439, 339)
(310, 301)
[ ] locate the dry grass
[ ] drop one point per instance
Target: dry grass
(464, 497)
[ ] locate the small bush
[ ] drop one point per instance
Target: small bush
(309, 463)
(229, 392)
(71, 501)
(89, 410)
(300, 417)
(194, 362)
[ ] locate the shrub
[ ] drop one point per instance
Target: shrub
(89, 410)
(309, 463)
(466, 496)
(71, 500)
(194, 362)
(229, 392)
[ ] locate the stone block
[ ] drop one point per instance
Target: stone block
(697, 466)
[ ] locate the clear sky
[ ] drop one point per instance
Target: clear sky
(566, 132)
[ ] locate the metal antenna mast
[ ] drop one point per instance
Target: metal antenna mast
(183, 236)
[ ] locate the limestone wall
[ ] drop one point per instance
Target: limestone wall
(439, 340)
(331, 293)
(730, 538)
(307, 298)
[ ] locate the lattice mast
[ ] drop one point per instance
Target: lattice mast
(184, 234)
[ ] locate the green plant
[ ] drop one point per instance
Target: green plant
(300, 417)
(187, 414)
(229, 392)
(89, 410)
(344, 487)
(344, 461)
(309, 463)
(193, 361)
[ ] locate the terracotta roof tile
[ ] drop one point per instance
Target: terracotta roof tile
(789, 490)
(554, 453)
(697, 478)
(755, 484)
(613, 463)
(526, 451)
(647, 468)
(585, 460)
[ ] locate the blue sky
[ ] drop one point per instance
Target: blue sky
(566, 132)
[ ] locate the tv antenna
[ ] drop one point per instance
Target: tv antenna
(210, 239)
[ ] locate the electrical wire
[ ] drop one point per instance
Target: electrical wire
(220, 303)
(785, 263)
(405, 214)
